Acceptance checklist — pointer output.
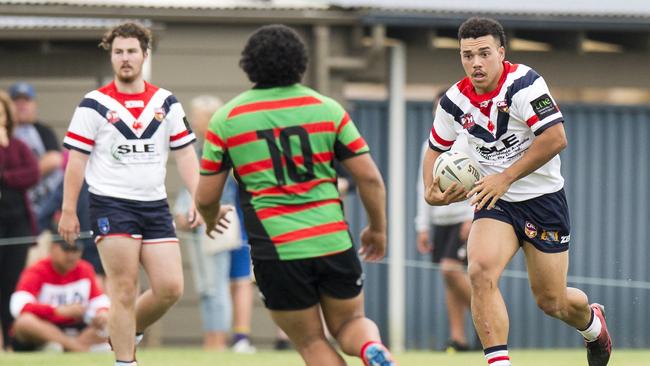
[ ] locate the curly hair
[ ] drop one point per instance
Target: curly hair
(8, 105)
(274, 56)
(127, 30)
(476, 27)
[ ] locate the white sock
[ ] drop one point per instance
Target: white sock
(126, 363)
(593, 330)
(497, 356)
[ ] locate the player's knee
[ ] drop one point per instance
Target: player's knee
(308, 341)
(123, 291)
(170, 292)
(347, 324)
(551, 305)
(481, 277)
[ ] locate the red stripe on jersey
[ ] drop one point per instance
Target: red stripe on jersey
(179, 136)
(254, 167)
(440, 140)
(344, 121)
(498, 358)
(319, 127)
(247, 137)
(266, 213)
(79, 138)
(272, 104)
(258, 166)
(210, 165)
(297, 188)
(357, 144)
(214, 139)
(242, 138)
(309, 232)
(532, 120)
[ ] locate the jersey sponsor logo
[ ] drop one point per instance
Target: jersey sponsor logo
(502, 106)
(544, 106)
(530, 229)
(506, 143)
(136, 152)
(112, 116)
(77, 292)
(467, 120)
(104, 225)
(159, 114)
(134, 103)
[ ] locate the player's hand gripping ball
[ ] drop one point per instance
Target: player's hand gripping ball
(456, 166)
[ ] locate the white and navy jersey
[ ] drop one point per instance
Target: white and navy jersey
(501, 125)
(128, 137)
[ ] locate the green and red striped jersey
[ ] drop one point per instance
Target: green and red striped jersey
(281, 143)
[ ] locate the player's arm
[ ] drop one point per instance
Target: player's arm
(372, 192)
(187, 165)
(546, 145)
(208, 197)
(72, 182)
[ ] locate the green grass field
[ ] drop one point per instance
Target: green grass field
(197, 357)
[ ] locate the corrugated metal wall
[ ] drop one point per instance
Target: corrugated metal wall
(607, 171)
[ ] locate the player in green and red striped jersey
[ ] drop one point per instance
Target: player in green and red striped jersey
(281, 139)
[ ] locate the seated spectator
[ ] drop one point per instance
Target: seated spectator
(57, 300)
(18, 173)
(41, 139)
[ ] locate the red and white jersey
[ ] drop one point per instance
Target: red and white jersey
(128, 137)
(501, 125)
(41, 289)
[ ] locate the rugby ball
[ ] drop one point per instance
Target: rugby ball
(456, 166)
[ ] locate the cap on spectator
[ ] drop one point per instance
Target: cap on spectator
(22, 89)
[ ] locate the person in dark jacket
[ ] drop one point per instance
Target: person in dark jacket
(18, 173)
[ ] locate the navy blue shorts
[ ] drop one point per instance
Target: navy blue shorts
(542, 221)
(146, 220)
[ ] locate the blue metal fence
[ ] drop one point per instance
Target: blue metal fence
(607, 171)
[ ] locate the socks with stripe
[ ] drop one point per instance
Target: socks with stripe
(126, 363)
(375, 353)
(497, 355)
(592, 331)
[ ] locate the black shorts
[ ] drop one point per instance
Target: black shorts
(447, 243)
(298, 284)
(542, 221)
(150, 221)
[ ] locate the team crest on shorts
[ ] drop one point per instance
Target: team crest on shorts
(112, 116)
(104, 226)
(530, 230)
(159, 114)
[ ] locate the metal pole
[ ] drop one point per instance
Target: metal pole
(396, 193)
(34, 239)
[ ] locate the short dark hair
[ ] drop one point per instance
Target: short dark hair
(274, 55)
(476, 27)
(8, 104)
(127, 30)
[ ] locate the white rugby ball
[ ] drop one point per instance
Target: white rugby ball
(456, 166)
